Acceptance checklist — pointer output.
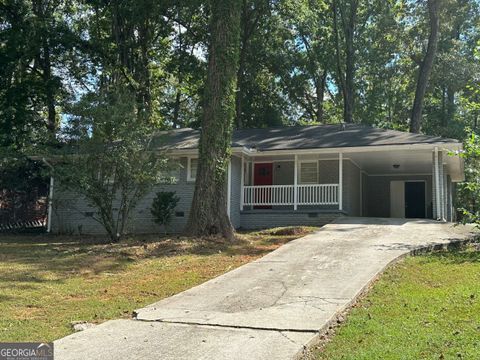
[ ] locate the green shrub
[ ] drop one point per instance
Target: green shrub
(163, 207)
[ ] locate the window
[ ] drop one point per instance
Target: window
(169, 176)
(309, 172)
(192, 169)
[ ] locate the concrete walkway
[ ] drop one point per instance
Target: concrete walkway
(270, 308)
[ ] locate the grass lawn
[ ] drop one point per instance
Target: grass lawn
(47, 282)
(425, 307)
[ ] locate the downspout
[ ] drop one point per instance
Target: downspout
(50, 198)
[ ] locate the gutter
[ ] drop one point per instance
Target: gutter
(350, 149)
(194, 151)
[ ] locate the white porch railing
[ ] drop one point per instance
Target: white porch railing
(271, 195)
(323, 194)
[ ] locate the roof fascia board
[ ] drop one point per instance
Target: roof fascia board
(252, 152)
(429, 146)
(237, 150)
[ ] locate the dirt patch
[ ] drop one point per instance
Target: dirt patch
(288, 231)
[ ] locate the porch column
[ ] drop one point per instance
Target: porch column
(450, 210)
(295, 183)
(242, 184)
(340, 181)
(437, 208)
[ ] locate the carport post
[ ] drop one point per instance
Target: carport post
(436, 174)
(340, 181)
(445, 196)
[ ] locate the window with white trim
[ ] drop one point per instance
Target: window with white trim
(169, 176)
(192, 169)
(309, 172)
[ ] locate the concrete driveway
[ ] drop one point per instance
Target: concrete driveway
(270, 308)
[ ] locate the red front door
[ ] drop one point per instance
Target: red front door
(263, 175)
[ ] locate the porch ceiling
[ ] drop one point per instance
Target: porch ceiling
(375, 161)
(410, 161)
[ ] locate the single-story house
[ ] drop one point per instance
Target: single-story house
(303, 175)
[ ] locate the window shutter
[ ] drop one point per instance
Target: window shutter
(308, 172)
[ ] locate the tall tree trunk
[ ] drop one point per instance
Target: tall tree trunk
(444, 105)
(176, 109)
(426, 66)
(349, 30)
(41, 11)
(448, 105)
(241, 66)
(320, 89)
(178, 95)
(338, 57)
(451, 108)
(209, 215)
(248, 24)
(348, 18)
(144, 95)
(239, 93)
(50, 92)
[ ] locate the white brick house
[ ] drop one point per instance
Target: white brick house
(305, 176)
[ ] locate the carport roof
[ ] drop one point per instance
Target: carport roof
(303, 137)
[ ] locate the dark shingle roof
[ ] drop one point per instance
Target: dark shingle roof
(305, 137)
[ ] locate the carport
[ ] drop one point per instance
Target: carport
(409, 182)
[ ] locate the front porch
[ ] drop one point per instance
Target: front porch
(294, 183)
(298, 189)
